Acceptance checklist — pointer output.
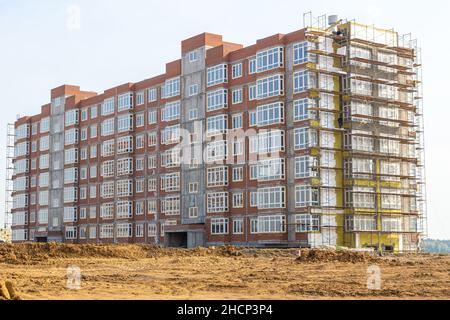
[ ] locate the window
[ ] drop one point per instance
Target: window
(152, 95)
(70, 194)
(125, 145)
(391, 199)
(93, 232)
(107, 190)
(107, 231)
(270, 87)
(360, 197)
(139, 230)
(170, 135)
(152, 138)
(170, 206)
(300, 81)
(170, 182)
(84, 134)
(124, 166)
(304, 138)
(237, 96)
(140, 141)
(94, 112)
(70, 214)
(238, 200)
(83, 153)
(140, 120)
(151, 207)
(252, 66)
(152, 117)
(21, 149)
(216, 151)
(193, 56)
(125, 101)
(44, 143)
(125, 123)
(217, 125)
(238, 147)
(237, 70)
(44, 161)
(360, 223)
(271, 198)
(193, 90)
(307, 223)
(391, 224)
(44, 125)
(252, 92)
(217, 202)
(272, 169)
(217, 177)
(22, 132)
(139, 208)
(303, 166)
(300, 53)
(219, 226)
(71, 137)
(237, 121)
(268, 141)
(108, 107)
(152, 230)
(217, 74)
(140, 98)
(70, 233)
(94, 131)
(171, 111)
(108, 127)
(193, 187)
(270, 113)
(306, 196)
(71, 156)
(171, 88)
(238, 226)
(83, 213)
(171, 158)
(217, 99)
(238, 174)
(193, 212)
(124, 209)
(151, 185)
(107, 211)
(270, 59)
(151, 162)
(71, 117)
(272, 224)
(108, 148)
(301, 111)
(193, 114)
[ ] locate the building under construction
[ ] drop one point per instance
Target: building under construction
(312, 138)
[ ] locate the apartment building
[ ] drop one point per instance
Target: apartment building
(312, 138)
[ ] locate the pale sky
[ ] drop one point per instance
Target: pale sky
(122, 41)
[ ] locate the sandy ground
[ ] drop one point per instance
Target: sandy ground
(246, 274)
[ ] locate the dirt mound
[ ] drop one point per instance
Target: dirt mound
(33, 253)
(316, 255)
(7, 291)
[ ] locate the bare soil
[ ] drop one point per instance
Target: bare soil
(39, 271)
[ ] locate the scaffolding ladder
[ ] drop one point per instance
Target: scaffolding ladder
(10, 138)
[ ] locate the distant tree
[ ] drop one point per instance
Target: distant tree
(437, 246)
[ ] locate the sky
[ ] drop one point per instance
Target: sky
(44, 45)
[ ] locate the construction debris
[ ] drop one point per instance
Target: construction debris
(330, 255)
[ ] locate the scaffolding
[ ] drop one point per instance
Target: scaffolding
(10, 139)
(380, 124)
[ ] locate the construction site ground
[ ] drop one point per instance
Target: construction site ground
(39, 271)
